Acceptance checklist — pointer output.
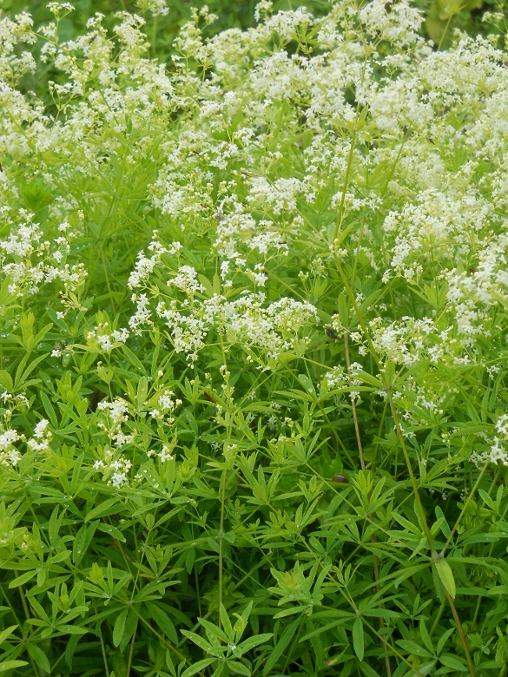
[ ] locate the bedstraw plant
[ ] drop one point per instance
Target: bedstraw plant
(253, 403)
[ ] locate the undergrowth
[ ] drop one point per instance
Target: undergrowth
(254, 333)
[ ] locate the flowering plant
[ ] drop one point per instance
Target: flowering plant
(254, 323)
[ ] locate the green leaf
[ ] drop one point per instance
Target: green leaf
(226, 623)
(49, 409)
(10, 665)
(38, 655)
(21, 580)
(142, 392)
(6, 379)
(133, 360)
(239, 668)
(70, 649)
(163, 621)
(82, 541)
(367, 670)
(358, 638)
(453, 662)
(256, 640)
(426, 637)
(72, 629)
(111, 530)
(279, 648)
(21, 376)
(6, 633)
(109, 507)
(214, 630)
(381, 613)
(443, 639)
(307, 383)
(197, 639)
(197, 667)
(446, 575)
(119, 627)
(413, 648)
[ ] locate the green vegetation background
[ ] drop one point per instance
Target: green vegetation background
(442, 16)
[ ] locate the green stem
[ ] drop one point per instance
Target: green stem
(462, 512)
(416, 493)
(444, 32)
(434, 554)
(221, 540)
(356, 309)
(346, 178)
(131, 651)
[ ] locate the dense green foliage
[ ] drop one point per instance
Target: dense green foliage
(441, 16)
(254, 325)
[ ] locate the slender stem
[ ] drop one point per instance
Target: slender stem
(421, 510)
(462, 512)
(162, 638)
(444, 32)
(103, 649)
(290, 653)
(435, 556)
(221, 539)
(196, 579)
(131, 651)
(395, 651)
(362, 464)
(8, 602)
(346, 178)
(356, 309)
(461, 633)
(437, 618)
(353, 404)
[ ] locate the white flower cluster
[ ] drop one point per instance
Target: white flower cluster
(117, 412)
(41, 436)
(499, 448)
(246, 321)
(28, 260)
(439, 226)
(145, 265)
(114, 467)
(364, 145)
(335, 379)
(397, 22)
(166, 406)
(105, 338)
(410, 341)
(10, 455)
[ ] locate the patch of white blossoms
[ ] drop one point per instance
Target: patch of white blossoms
(248, 170)
(498, 453)
(10, 439)
(29, 259)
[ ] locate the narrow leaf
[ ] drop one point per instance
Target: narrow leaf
(197, 667)
(10, 665)
(119, 627)
(163, 621)
(239, 668)
(279, 648)
(446, 575)
(6, 633)
(358, 638)
(38, 655)
(21, 580)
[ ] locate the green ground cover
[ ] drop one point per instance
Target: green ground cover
(253, 306)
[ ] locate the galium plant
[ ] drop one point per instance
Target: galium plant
(254, 322)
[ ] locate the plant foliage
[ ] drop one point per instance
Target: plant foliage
(254, 318)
